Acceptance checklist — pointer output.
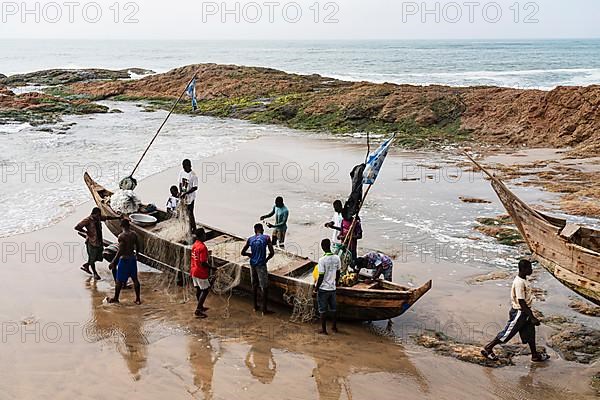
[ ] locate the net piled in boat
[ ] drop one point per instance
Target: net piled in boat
(176, 229)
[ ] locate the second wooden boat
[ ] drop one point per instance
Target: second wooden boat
(570, 252)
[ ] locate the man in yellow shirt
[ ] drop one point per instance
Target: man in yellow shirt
(521, 318)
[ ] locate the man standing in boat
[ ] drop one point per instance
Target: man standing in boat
(188, 185)
(330, 266)
(281, 213)
(336, 225)
(259, 275)
(521, 318)
(126, 262)
(91, 227)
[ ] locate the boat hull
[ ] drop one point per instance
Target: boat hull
(355, 304)
(570, 253)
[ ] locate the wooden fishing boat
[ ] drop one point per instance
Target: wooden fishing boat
(362, 302)
(570, 252)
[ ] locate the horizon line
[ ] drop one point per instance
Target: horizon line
(304, 40)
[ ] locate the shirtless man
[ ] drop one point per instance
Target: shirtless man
(126, 262)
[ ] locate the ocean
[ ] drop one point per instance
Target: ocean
(534, 64)
(41, 167)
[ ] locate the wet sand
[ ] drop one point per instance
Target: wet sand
(60, 340)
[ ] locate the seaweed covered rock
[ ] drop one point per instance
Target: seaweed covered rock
(467, 352)
(577, 343)
(65, 76)
(39, 108)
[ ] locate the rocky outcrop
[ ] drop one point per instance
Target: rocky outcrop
(39, 108)
(563, 117)
(64, 76)
(419, 115)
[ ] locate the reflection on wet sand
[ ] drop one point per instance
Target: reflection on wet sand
(202, 361)
(261, 363)
(123, 326)
(271, 341)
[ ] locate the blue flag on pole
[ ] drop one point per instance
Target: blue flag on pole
(191, 92)
(375, 161)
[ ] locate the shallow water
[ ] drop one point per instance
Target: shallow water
(41, 172)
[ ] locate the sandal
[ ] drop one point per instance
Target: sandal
(489, 355)
(541, 358)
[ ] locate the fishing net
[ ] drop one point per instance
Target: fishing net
(226, 277)
(125, 201)
(229, 275)
(299, 295)
(178, 228)
(128, 183)
(345, 258)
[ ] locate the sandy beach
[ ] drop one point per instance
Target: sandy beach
(59, 338)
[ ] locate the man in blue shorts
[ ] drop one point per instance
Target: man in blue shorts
(521, 318)
(259, 275)
(126, 262)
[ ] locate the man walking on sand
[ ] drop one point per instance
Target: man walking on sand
(199, 271)
(521, 318)
(258, 264)
(329, 276)
(126, 262)
(188, 185)
(91, 227)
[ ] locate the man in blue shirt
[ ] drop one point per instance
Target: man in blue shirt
(281, 213)
(259, 275)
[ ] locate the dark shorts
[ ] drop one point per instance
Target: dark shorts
(518, 322)
(126, 268)
(279, 234)
(387, 274)
(326, 301)
(94, 253)
(259, 276)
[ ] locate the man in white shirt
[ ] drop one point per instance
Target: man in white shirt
(329, 275)
(336, 225)
(521, 318)
(188, 185)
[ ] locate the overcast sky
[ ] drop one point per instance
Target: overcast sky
(342, 19)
